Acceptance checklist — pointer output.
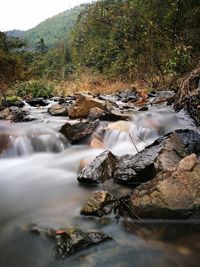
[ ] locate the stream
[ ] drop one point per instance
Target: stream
(38, 184)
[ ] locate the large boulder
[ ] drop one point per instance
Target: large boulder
(98, 204)
(58, 110)
(81, 108)
(99, 170)
(163, 154)
(78, 130)
(171, 194)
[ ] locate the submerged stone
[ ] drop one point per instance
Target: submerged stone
(70, 241)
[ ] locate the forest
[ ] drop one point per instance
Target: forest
(121, 41)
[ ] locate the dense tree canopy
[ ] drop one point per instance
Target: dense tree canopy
(134, 37)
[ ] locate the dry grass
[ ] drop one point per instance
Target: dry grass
(89, 82)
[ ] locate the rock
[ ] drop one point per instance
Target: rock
(97, 142)
(58, 110)
(96, 113)
(5, 114)
(81, 108)
(171, 194)
(14, 114)
(145, 108)
(163, 154)
(98, 204)
(6, 103)
(76, 131)
(70, 241)
(99, 170)
(122, 126)
(163, 97)
(115, 115)
(35, 102)
(127, 95)
(5, 142)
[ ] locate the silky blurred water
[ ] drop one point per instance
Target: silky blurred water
(38, 184)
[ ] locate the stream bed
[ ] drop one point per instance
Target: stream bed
(38, 185)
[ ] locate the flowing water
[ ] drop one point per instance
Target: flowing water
(38, 185)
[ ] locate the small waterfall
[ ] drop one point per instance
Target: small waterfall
(125, 137)
(121, 142)
(26, 141)
(151, 125)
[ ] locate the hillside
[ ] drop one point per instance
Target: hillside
(54, 29)
(15, 33)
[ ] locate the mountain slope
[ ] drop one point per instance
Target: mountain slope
(54, 29)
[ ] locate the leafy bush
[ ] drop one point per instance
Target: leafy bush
(34, 88)
(13, 98)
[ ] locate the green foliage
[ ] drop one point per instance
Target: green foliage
(34, 88)
(10, 61)
(13, 98)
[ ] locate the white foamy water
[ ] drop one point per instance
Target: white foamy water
(38, 184)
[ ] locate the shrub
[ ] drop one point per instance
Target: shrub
(34, 88)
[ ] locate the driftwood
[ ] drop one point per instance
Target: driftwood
(188, 96)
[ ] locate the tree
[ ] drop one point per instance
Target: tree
(41, 47)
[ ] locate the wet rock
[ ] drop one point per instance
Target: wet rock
(127, 95)
(14, 114)
(99, 170)
(163, 97)
(5, 114)
(163, 154)
(70, 241)
(97, 142)
(58, 110)
(36, 102)
(5, 142)
(171, 194)
(6, 103)
(96, 113)
(98, 204)
(81, 108)
(121, 126)
(76, 131)
(115, 115)
(144, 109)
